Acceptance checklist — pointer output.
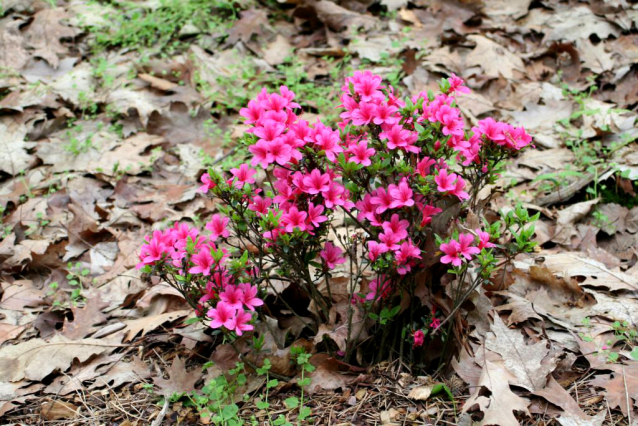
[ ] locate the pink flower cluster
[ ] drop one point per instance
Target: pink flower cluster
(463, 248)
(196, 257)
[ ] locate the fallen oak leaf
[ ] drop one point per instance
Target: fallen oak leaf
(529, 363)
(621, 387)
(179, 380)
(85, 318)
(35, 359)
(555, 394)
(498, 408)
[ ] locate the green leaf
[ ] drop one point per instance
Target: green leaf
(272, 383)
(304, 382)
(229, 411)
(304, 412)
(292, 402)
(279, 421)
(634, 353)
(262, 405)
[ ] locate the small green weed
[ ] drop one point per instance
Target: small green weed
(137, 26)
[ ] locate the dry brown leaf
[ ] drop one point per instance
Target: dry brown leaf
(21, 294)
(84, 319)
(555, 394)
(58, 410)
(337, 328)
(573, 265)
(567, 218)
(13, 148)
(494, 59)
(179, 379)
(529, 363)
(79, 373)
(276, 52)
(149, 323)
(35, 359)
(338, 18)
(123, 372)
(569, 420)
(621, 387)
(327, 379)
(251, 22)
(156, 82)
(570, 23)
(499, 8)
(500, 405)
(46, 31)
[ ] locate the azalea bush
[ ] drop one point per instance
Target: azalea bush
(389, 201)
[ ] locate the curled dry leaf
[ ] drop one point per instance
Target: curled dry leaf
(35, 359)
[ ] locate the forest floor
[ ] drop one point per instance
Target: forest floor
(110, 111)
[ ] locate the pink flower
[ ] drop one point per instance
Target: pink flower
(390, 240)
(465, 246)
(261, 154)
(423, 166)
(203, 262)
(366, 85)
(407, 251)
(361, 153)
(491, 129)
(457, 84)
(249, 296)
(280, 151)
(427, 212)
(241, 323)
(294, 219)
(151, 252)
(397, 226)
(327, 140)
(375, 250)
(366, 208)
(444, 181)
(364, 114)
(253, 113)
(436, 323)
(401, 195)
(398, 137)
(315, 218)
(419, 338)
(259, 204)
(484, 239)
(269, 130)
(208, 184)
(379, 289)
(383, 200)
(217, 227)
(243, 174)
(316, 182)
(332, 255)
(459, 186)
(332, 197)
(452, 254)
(385, 114)
(222, 315)
(232, 296)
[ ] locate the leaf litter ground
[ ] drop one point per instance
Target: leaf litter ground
(105, 132)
